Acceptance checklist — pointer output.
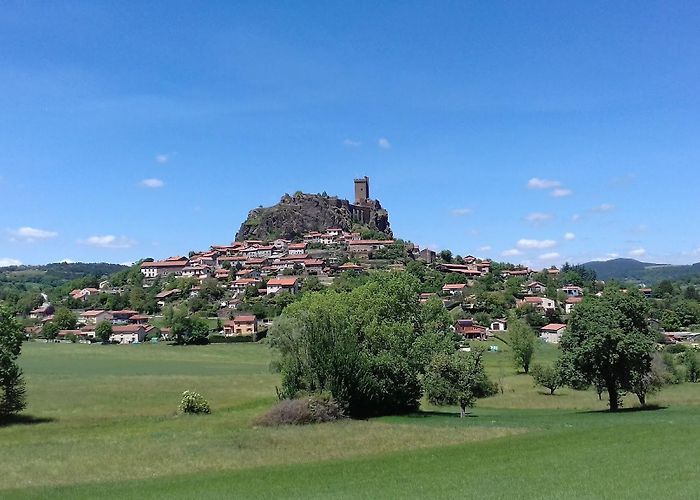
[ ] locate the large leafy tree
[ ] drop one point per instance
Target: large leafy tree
(103, 330)
(367, 347)
(12, 392)
(65, 319)
(522, 341)
(608, 342)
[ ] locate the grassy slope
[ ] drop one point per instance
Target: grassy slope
(114, 422)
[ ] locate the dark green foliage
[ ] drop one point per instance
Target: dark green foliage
(103, 330)
(193, 403)
(609, 343)
(458, 378)
(692, 365)
(65, 319)
(50, 330)
(367, 347)
(12, 392)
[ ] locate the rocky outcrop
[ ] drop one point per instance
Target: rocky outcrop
(296, 215)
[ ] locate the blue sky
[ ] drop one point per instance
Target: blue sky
(532, 132)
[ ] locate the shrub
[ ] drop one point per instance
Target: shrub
(316, 408)
(675, 348)
(193, 402)
(222, 339)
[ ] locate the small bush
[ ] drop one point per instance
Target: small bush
(193, 402)
(547, 376)
(312, 409)
(675, 348)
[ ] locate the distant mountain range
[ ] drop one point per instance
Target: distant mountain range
(642, 272)
(55, 274)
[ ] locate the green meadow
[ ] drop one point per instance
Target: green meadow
(102, 421)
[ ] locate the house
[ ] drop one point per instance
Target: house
(296, 248)
(542, 303)
(572, 291)
(241, 284)
(334, 231)
(121, 317)
(139, 319)
(367, 246)
(243, 324)
(42, 312)
(511, 273)
(283, 284)
(570, 303)
(171, 265)
(66, 334)
(128, 334)
(552, 332)
(313, 266)
(94, 317)
(553, 271)
(470, 330)
(646, 292)
(195, 271)
(222, 274)
(498, 325)
(536, 288)
(425, 297)
(453, 288)
(166, 295)
(349, 266)
(83, 293)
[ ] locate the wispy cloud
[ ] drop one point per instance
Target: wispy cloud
(162, 158)
(31, 234)
(351, 143)
(485, 248)
(575, 217)
(537, 183)
(527, 244)
(538, 217)
(511, 253)
(152, 183)
(561, 192)
(384, 143)
(623, 180)
(108, 241)
(549, 256)
(6, 261)
(603, 208)
(638, 252)
(569, 236)
(461, 212)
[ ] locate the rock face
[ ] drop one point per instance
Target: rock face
(296, 215)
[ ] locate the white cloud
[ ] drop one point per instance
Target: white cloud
(575, 217)
(108, 241)
(162, 158)
(152, 183)
(538, 217)
(460, 212)
(30, 234)
(569, 236)
(384, 143)
(351, 144)
(511, 253)
(485, 248)
(561, 192)
(127, 263)
(6, 261)
(603, 208)
(537, 183)
(66, 261)
(549, 256)
(535, 244)
(637, 252)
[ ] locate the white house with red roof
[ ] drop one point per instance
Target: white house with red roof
(454, 288)
(283, 284)
(552, 332)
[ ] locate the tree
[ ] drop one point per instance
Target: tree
(12, 391)
(547, 376)
(522, 341)
(692, 366)
(65, 319)
(50, 330)
(367, 346)
(103, 331)
(645, 383)
(446, 256)
(608, 341)
(458, 379)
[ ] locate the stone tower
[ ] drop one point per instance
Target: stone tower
(361, 190)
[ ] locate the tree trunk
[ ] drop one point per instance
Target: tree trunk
(551, 391)
(462, 412)
(613, 398)
(642, 399)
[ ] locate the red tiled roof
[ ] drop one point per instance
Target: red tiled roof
(283, 281)
(126, 328)
(370, 242)
(454, 286)
(244, 318)
(553, 327)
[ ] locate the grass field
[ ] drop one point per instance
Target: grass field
(102, 421)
